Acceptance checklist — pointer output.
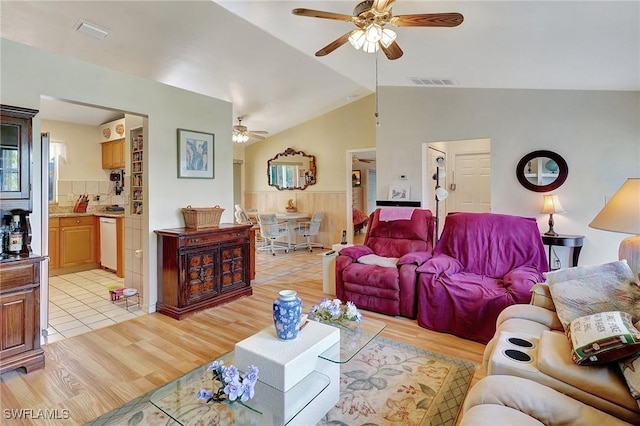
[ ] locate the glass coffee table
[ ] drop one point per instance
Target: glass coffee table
(177, 399)
(353, 337)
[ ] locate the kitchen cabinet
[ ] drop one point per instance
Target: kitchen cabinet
(15, 167)
(54, 243)
(199, 269)
(20, 314)
(113, 154)
(77, 241)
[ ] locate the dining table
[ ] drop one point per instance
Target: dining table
(290, 217)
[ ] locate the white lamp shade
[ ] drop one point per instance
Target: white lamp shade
(388, 37)
(441, 193)
(373, 33)
(357, 38)
(622, 212)
(552, 205)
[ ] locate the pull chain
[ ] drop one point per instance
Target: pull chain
(376, 114)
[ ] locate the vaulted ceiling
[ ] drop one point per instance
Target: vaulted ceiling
(260, 57)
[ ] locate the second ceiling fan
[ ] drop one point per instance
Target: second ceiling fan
(370, 18)
(242, 135)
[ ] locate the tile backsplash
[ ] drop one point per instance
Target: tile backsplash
(69, 191)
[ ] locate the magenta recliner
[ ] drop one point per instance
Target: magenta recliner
(387, 290)
(483, 263)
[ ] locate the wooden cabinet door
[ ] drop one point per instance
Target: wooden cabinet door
(17, 314)
(54, 248)
(117, 154)
(200, 281)
(113, 154)
(234, 266)
(107, 155)
(77, 245)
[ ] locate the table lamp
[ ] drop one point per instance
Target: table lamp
(622, 214)
(550, 206)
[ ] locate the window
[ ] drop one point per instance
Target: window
(57, 152)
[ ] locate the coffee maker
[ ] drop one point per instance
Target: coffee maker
(117, 177)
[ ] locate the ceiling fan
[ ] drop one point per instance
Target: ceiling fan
(242, 135)
(355, 159)
(370, 18)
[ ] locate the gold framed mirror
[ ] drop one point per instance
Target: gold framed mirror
(291, 169)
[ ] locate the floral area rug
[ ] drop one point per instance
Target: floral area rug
(387, 383)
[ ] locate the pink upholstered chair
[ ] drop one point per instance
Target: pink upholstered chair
(483, 263)
(401, 234)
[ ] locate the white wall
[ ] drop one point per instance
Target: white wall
(597, 133)
(29, 73)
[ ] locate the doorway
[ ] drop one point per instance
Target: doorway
(464, 174)
(361, 189)
(78, 300)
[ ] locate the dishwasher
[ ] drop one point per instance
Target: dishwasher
(108, 246)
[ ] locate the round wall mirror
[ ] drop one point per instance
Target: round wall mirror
(542, 171)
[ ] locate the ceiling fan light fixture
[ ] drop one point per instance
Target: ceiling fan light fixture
(373, 33)
(370, 46)
(388, 37)
(357, 38)
(240, 137)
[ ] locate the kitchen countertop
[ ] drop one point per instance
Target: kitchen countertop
(72, 214)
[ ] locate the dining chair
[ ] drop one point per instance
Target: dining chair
(271, 231)
(309, 229)
(242, 217)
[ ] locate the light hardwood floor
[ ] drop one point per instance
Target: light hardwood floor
(93, 373)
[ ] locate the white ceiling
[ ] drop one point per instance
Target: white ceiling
(260, 57)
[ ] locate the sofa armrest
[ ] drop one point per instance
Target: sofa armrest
(440, 264)
(416, 257)
(539, 402)
(355, 252)
(541, 296)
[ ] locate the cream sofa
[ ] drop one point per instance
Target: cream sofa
(509, 401)
(546, 358)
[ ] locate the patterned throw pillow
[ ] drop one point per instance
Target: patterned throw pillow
(587, 290)
(602, 338)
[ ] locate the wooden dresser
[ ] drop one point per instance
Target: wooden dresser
(20, 314)
(198, 269)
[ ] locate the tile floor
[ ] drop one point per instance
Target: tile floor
(80, 302)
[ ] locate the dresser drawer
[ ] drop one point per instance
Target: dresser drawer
(18, 275)
(207, 239)
(77, 221)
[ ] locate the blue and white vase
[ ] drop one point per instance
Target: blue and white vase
(287, 311)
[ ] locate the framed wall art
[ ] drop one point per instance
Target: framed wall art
(399, 192)
(356, 178)
(195, 154)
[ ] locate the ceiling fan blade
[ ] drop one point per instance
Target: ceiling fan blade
(333, 45)
(259, 132)
(321, 14)
(255, 136)
(393, 51)
(382, 6)
(428, 20)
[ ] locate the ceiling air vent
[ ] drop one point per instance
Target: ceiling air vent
(433, 81)
(91, 30)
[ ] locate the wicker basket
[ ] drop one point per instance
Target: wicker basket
(202, 217)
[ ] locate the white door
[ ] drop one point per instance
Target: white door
(472, 191)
